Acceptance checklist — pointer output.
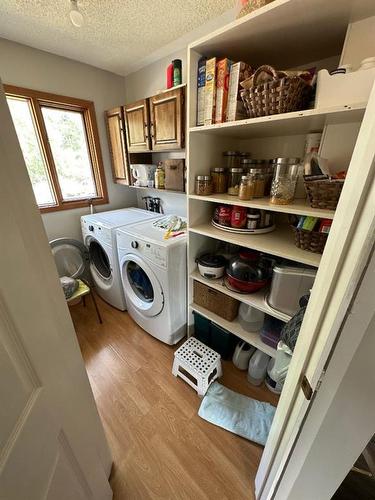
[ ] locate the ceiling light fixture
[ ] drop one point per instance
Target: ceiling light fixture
(75, 15)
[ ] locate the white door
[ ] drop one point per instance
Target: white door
(344, 259)
(52, 443)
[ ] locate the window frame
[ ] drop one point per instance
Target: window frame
(38, 99)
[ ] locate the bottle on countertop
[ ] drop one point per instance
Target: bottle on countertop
(160, 176)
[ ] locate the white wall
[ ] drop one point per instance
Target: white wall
(145, 83)
(31, 68)
(152, 78)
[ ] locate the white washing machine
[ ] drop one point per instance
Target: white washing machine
(153, 273)
(99, 236)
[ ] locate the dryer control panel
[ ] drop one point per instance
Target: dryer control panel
(155, 253)
(100, 232)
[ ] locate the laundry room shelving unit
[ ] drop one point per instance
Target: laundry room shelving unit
(285, 34)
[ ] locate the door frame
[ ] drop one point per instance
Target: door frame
(346, 254)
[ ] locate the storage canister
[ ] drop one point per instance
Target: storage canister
(231, 159)
(238, 219)
(234, 180)
(247, 163)
(245, 192)
(258, 177)
(284, 180)
(219, 180)
(203, 185)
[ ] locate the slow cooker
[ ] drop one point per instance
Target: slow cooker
(211, 266)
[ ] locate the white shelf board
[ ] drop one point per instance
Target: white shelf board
(157, 190)
(234, 327)
(298, 207)
(256, 300)
(286, 33)
(279, 243)
(296, 122)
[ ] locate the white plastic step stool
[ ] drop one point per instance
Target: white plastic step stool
(197, 364)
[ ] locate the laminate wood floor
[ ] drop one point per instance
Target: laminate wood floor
(161, 448)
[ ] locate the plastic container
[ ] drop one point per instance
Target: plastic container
(242, 355)
(202, 329)
(257, 367)
(222, 341)
(275, 386)
(271, 330)
(250, 318)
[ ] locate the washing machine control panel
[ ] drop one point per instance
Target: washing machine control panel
(102, 233)
(155, 254)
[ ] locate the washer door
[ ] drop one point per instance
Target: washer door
(71, 258)
(99, 260)
(142, 288)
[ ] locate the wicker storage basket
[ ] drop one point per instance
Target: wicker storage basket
(280, 95)
(313, 241)
(216, 302)
(324, 193)
(252, 5)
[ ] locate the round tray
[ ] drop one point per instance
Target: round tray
(243, 231)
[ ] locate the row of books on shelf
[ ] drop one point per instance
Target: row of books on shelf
(219, 97)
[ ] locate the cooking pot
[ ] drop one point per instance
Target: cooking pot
(211, 266)
(247, 272)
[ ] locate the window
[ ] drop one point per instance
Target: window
(60, 144)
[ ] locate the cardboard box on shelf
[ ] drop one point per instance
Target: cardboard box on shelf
(235, 109)
(201, 85)
(210, 92)
(222, 85)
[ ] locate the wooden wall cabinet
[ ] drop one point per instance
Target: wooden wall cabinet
(166, 125)
(117, 146)
(137, 126)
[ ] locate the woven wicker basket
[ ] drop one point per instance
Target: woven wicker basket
(324, 193)
(313, 241)
(251, 6)
(216, 302)
(280, 95)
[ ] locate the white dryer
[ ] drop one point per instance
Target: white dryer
(153, 273)
(99, 236)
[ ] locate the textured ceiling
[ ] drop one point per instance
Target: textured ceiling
(116, 33)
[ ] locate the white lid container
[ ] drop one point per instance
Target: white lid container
(345, 89)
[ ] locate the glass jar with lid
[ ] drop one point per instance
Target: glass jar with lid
(244, 192)
(219, 180)
(284, 180)
(203, 185)
(247, 163)
(258, 177)
(231, 159)
(234, 180)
